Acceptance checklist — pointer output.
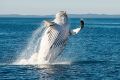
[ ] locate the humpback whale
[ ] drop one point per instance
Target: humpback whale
(55, 36)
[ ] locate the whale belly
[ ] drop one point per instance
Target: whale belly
(52, 43)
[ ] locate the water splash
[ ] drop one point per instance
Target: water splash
(31, 53)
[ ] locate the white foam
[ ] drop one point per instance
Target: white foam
(31, 55)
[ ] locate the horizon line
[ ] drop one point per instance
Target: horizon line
(54, 14)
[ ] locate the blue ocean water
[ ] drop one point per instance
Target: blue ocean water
(94, 53)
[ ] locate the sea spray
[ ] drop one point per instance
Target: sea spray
(30, 54)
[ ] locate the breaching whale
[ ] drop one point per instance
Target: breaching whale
(55, 36)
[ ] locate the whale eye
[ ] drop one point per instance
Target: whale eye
(51, 25)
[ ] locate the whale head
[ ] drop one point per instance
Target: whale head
(61, 18)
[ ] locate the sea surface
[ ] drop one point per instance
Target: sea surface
(93, 54)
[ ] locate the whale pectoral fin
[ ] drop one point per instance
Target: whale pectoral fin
(77, 30)
(82, 24)
(48, 24)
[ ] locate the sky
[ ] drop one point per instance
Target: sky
(48, 7)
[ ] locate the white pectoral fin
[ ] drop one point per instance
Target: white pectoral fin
(75, 31)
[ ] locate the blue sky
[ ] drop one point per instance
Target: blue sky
(45, 7)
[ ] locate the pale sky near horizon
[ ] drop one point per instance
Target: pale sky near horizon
(47, 7)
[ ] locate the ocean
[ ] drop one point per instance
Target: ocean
(93, 54)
